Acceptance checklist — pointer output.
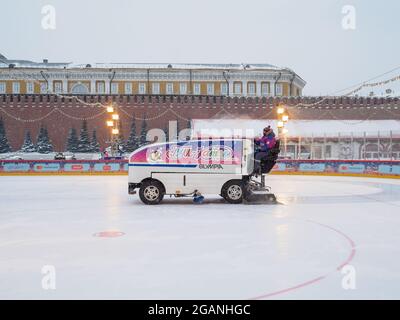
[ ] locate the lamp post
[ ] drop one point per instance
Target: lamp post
(113, 125)
(283, 119)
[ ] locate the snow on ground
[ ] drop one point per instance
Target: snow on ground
(47, 156)
(179, 250)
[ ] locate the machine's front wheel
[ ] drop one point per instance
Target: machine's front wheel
(232, 191)
(151, 192)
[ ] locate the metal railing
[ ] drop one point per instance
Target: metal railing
(378, 145)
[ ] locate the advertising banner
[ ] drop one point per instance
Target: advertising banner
(279, 167)
(192, 152)
(76, 167)
(312, 167)
(107, 167)
(46, 167)
(388, 169)
(15, 167)
(351, 168)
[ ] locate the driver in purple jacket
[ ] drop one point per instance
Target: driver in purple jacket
(265, 143)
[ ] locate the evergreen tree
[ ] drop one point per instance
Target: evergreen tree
(132, 142)
(189, 126)
(166, 131)
(28, 145)
(177, 130)
(143, 132)
(94, 144)
(43, 144)
(4, 145)
(120, 138)
(72, 141)
(84, 141)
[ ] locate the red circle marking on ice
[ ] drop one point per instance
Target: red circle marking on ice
(109, 234)
(312, 281)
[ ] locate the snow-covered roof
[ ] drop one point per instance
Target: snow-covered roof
(4, 63)
(205, 66)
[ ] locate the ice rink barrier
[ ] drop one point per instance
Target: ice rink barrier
(66, 167)
(373, 168)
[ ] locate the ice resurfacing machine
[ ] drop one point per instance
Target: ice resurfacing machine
(195, 167)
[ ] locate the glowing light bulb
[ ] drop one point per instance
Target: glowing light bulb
(110, 109)
(115, 131)
(115, 116)
(110, 123)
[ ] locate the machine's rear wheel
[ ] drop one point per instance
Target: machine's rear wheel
(151, 192)
(233, 191)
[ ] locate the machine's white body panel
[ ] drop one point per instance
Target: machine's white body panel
(202, 165)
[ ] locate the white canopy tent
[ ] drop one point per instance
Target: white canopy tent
(305, 128)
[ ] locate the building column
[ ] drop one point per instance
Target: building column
(93, 86)
(272, 88)
(65, 86)
(231, 89)
(107, 88)
(50, 89)
(258, 88)
(244, 88)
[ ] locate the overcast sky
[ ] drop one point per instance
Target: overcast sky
(305, 35)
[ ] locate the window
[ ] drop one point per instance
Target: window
(279, 89)
(79, 88)
(210, 88)
(2, 87)
(251, 88)
(182, 88)
(29, 87)
(100, 87)
(238, 88)
(128, 88)
(43, 87)
(170, 88)
(114, 88)
(224, 89)
(196, 88)
(265, 89)
(155, 89)
(57, 87)
(15, 87)
(142, 88)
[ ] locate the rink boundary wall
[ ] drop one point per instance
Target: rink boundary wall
(354, 168)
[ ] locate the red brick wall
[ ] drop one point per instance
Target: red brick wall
(161, 109)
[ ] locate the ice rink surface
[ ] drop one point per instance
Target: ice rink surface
(179, 250)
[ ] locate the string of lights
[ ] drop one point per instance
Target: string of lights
(101, 105)
(28, 120)
(82, 118)
(147, 118)
(55, 109)
(350, 122)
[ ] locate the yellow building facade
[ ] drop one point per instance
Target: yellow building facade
(27, 77)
